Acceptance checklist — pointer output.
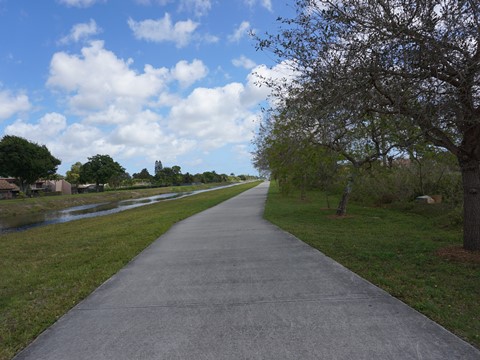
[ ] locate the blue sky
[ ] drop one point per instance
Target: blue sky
(140, 80)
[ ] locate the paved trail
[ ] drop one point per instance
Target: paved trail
(226, 284)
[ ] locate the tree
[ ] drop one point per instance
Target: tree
(292, 158)
(187, 178)
(25, 160)
(166, 176)
(158, 166)
(119, 179)
(416, 62)
(144, 175)
(73, 175)
(100, 169)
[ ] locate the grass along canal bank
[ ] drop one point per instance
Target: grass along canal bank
(49, 203)
(397, 250)
(47, 270)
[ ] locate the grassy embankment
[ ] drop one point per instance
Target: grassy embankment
(48, 203)
(394, 249)
(45, 271)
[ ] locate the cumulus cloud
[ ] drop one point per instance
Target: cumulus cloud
(98, 78)
(257, 89)
(244, 62)
(116, 109)
(82, 31)
(115, 106)
(215, 116)
(240, 32)
(11, 104)
(188, 73)
(80, 3)
(163, 29)
(49, 125)
(145, 136)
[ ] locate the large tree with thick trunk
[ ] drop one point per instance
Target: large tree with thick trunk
(415, 62)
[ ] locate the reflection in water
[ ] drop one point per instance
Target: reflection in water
(24, 222)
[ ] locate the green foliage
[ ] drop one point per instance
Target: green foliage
(291, 156)
(168, 176)
(404, 180)
(100, 169)
(73, 175)
(143, 175)
(25, 160)
(366, 82)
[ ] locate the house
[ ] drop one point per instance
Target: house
(52, 186)
(61, 186)
(8, 189)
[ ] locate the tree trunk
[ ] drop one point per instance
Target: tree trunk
(342, 206)
(303, 189)
(471, 204)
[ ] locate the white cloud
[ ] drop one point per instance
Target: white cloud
(145, 136)
(162, 30)
(257, 89)
(166, 99)
(244, 62)
(97, 79)
(116, 109)
(111, 115)
(11, 104)
(49, 125)
(224, 115)
(240, 32)
(187, 74)
(267, 4)
(115, 106)
(81, 31)
(215, 116)
(144, 129)
(79, 3)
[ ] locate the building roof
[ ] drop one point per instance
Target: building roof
(5, 185)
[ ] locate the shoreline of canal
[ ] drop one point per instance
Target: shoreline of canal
(37, 205)
(15, 223)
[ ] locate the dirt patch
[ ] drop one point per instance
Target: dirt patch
(459, 254)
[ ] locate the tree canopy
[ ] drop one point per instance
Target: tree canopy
(100, 169)
(373, 76)
(73, 175)
(25, 160)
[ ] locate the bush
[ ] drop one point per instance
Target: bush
(379, 185)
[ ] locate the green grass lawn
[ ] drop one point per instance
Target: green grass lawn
(46, 203)
(47, 270)
(395, 250)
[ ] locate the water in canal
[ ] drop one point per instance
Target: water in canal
(24, 222)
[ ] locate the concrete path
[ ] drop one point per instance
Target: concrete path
(225, 284)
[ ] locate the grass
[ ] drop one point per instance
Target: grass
(394, 249)
(46, 271)
(47, 203)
